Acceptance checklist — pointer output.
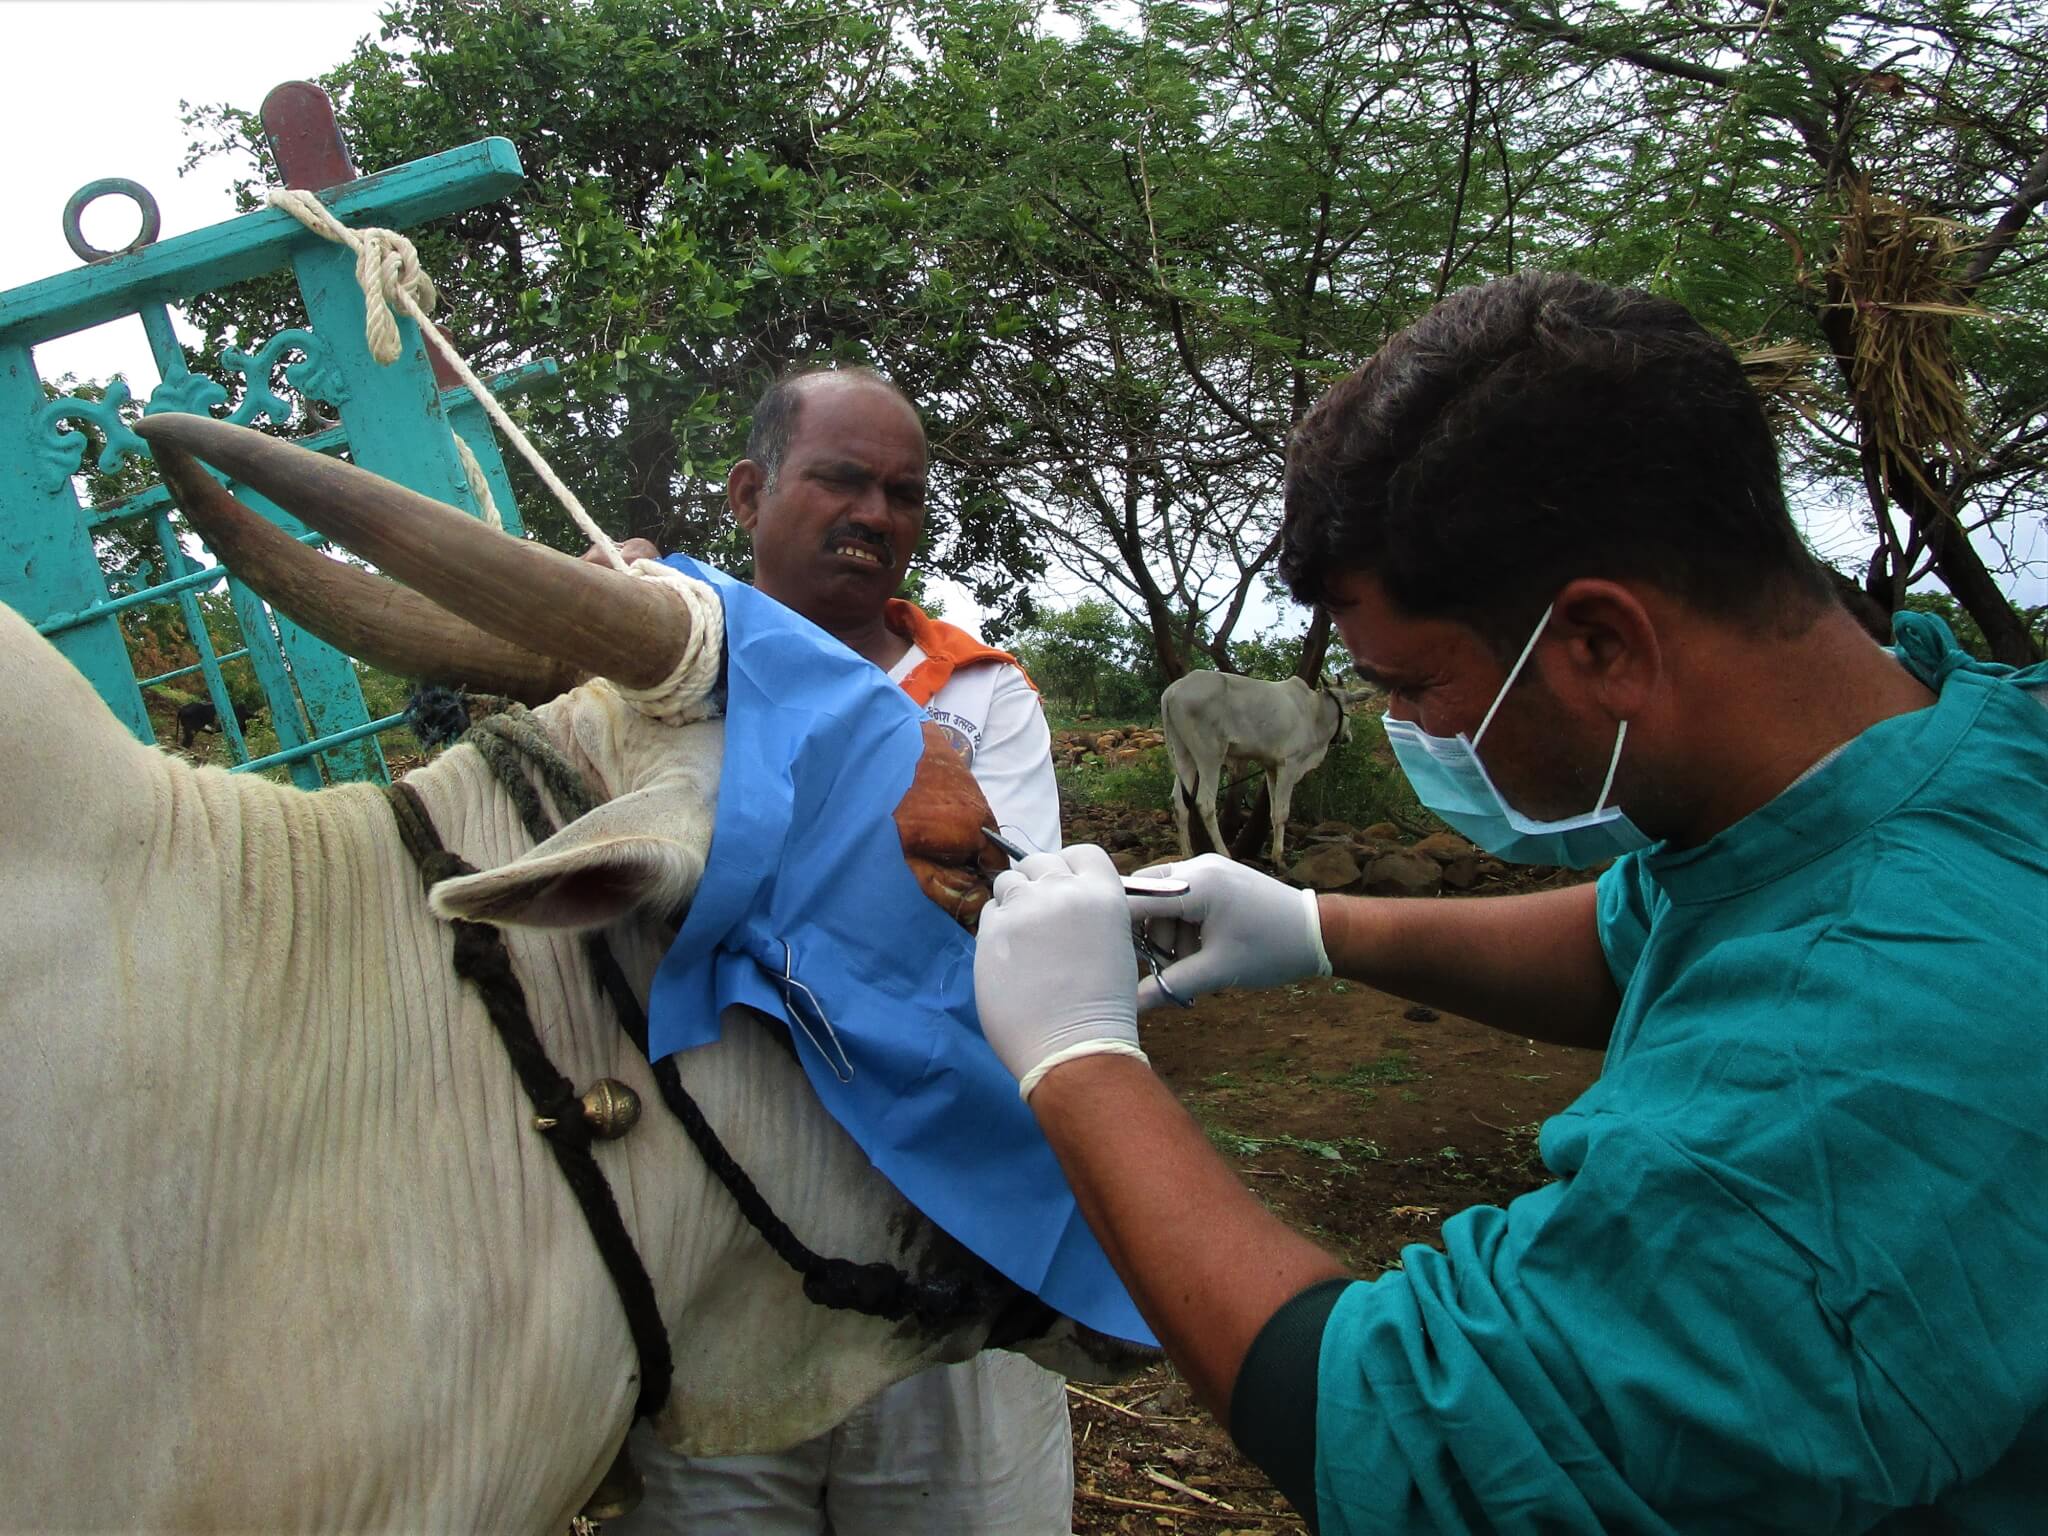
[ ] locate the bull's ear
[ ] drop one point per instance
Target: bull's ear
(642, 850)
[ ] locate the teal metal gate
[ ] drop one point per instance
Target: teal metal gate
(400, 420)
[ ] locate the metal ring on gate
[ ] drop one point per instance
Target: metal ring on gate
(92, 192)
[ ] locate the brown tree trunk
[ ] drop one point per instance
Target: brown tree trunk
(1315, 646)
(1962, 571)
(650, 502)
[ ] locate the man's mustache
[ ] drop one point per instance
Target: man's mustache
(849, 533)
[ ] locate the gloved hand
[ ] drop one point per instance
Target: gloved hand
(1054, 976)
(1234, 928)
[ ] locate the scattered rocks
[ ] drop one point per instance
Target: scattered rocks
(1383, 832)
(1421, 1014)
(1329, 867)
(1462, 873)
(1443, 847)
(1117, 745)
(1403, 874)
(1332, 831)
(1129, 861)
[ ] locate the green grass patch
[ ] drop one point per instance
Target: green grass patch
(1145, 783)
(1343, 1151)
(1352, 784)
(1382, 1071)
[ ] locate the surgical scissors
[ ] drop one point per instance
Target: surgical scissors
(1134, 885)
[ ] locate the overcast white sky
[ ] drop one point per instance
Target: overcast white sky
(94, 91)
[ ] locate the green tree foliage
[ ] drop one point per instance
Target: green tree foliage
(1748, 150)
(1091, 659)
(1116, 251)
(714, 193)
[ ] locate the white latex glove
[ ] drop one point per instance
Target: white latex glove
(1234, 928)
(1054, 976)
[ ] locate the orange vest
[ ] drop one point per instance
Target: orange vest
(946, 647)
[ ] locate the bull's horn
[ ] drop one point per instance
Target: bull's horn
(616, 626)
(385, 624)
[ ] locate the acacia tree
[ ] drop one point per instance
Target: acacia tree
(1181, 248)
(1858, 177)
(1116, 253)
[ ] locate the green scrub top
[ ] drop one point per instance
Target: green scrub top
(1793, 1272)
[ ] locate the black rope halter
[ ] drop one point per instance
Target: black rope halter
(509, 743)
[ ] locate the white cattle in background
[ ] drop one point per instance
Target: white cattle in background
(281, 1247)
(1219, 723)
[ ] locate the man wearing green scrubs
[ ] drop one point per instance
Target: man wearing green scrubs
(1792, 1272)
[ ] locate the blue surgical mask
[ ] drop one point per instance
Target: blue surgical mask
(1449, 778)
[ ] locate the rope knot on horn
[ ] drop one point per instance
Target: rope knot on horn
(685, 694)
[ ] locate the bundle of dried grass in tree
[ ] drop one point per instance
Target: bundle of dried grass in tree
(1898, 273)
(1782, 374)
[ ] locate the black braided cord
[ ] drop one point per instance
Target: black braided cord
(482, 959)
(513, 738)
(875, 1289)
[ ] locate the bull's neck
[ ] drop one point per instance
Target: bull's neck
(380, 1073)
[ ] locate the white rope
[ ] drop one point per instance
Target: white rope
(479, 487)
(684, 695)
(388, 269)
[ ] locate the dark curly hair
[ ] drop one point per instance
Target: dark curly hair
(1537, 429)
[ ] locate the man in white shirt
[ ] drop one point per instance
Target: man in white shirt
(832, 492)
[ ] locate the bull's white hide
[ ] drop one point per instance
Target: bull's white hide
(279, 1246)
(1218, 723)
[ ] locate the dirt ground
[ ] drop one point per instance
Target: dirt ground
(1363, 1121)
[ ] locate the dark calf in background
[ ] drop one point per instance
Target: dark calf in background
(202, 716)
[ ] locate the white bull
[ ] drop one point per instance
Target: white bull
(280, 1247)
(1217, 723)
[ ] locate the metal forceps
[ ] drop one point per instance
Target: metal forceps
(1154, 957)
(1157, 958)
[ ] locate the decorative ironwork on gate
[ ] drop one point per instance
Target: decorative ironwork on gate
(401, 420)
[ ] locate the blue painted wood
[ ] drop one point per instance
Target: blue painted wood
(176, 672)
(466, 418)
(202, 642)
(157, 592)
(395, 421)
(296, 755)
(328, 690)
(266, 655)
(507, 385)
(255, 243)
(473, 424)
(46, 552)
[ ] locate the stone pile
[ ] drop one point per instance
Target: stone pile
(1381, 861)
(1114, 744)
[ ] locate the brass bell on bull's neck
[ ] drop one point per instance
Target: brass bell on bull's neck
(610, 1109)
